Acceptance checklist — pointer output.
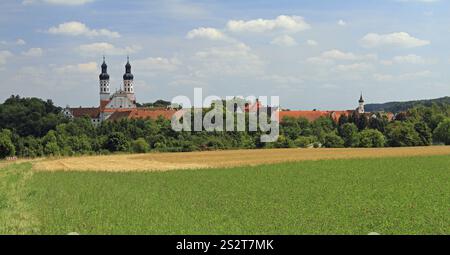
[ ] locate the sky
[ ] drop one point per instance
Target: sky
(313, 54)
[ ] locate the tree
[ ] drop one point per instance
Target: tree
(7, 148)
(140, 145)
(331, 140)
(442, 132)
(29, 146)
(401, 134)
(321, 127)
(284, 142)
(424, 133)
(379, 122)
(30, 116)
(343, 119)
(304, 141)
(290, 128)
(117, 142)
(371, 138)
(349, 132)
(363, 122)
(52, 149)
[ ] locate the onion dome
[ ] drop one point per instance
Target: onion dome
(128, 75)
(104, 75)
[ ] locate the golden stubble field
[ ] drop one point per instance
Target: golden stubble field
(216, 159)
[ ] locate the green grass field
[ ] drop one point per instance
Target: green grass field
(357, 196)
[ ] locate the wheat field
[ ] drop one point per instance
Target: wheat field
(220, 159)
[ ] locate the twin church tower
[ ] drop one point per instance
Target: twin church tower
(124, 98)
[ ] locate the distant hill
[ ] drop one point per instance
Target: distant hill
(403, 106)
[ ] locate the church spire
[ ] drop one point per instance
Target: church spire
(128, 75)
(104, 75)
(104, 82)
(361, 105)
(128, 81)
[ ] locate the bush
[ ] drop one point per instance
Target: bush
(140, 146)
(349, 132)
(284, 142)
(332, 140)
(400, 134)
(52, 149)
(303, 141)
(7, 148)
(371, 138)
(424, 133)
(442, 132)
(117, 142)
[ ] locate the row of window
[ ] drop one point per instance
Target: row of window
(105, 89)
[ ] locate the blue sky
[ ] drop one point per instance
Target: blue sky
(313, 54)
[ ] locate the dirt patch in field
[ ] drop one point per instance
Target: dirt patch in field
(215, 159)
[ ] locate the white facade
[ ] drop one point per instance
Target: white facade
(360, 108)
(104, 90)
(128, 86)
(121, 100)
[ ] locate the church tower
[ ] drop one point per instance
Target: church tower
(128, 81)
(361, 105)
(104, 83)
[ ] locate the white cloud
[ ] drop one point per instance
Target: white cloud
(284, 40)
(33, 52)
(356, 67)
(342, 56)
(408, 59)
(58, 2)
(400, 39)
(319, 61)
(4, 55)
(206, 33)
(342, 23)
(157, 64)
(90, 67)
(402, 77)
(283, 79)
(339, 55)
(311, 43)
(237, 59)
(182, 8)
(284, 23)
(106, 48)
(75, 28)
(20, 42)
(187, 82)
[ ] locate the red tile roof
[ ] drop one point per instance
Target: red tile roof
(312, 115)
(119, 115)
(309, 115)
(103, 103)
(152, 114)
(91, 112)
(141, 114)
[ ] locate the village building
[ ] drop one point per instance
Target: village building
(118, 105)
(122, 105)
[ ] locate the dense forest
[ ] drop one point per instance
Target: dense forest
(397, 107)
(31, 127)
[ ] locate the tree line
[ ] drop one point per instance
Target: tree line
(31, 127)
